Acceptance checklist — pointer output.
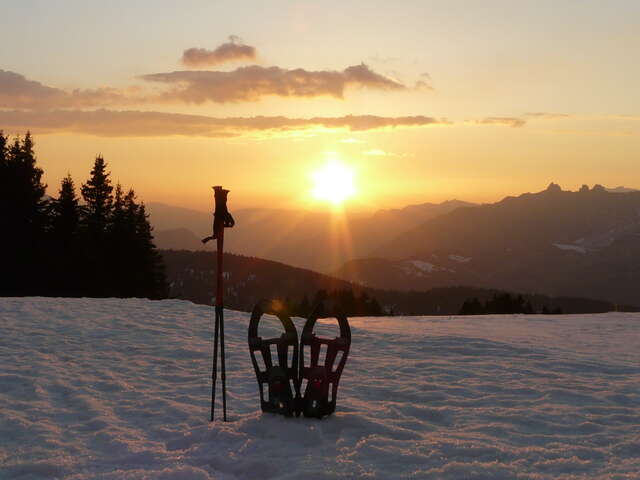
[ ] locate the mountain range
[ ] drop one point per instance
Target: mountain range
(554, 242)
(316, 240)
(247, 280)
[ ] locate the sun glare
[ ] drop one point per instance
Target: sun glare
(333, 182)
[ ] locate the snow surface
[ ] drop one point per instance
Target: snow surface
(119, 389)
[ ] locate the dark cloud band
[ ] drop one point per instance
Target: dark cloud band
(108, 123)
(251, 83)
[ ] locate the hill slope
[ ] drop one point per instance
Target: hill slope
(248, 279)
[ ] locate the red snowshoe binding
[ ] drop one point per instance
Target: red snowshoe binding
(321, 376)
(280, 375)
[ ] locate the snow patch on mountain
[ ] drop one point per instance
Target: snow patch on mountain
(424, 266)
(459, 258)
(420, 267)
(574, 248)
(119, 389)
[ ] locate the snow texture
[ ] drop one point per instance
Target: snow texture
(119, 389)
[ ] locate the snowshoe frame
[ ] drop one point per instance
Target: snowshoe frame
(280, 379)
(321, 380)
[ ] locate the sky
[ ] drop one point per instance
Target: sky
(423, 100)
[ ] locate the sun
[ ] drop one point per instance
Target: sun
(333, 182)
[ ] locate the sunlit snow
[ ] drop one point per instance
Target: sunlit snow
(119, 389)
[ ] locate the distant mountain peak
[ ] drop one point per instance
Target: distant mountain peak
(621, 189)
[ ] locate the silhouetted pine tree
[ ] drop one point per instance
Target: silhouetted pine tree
(303, 309)
(120, 233)
(154, 284)
(22, 213)
(472, 306)
(375, 308)
(346, 302)
(319, 300)
(3, 158)
(97, 194)
(64, 242)
(528, 308)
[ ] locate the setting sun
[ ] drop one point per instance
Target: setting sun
(333, 182)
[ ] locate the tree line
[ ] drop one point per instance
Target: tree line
(100, 246)
(329, 302)
(502, 303)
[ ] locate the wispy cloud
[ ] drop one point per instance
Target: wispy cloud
(376, 152)
(424, 83)
(16, 91)
(514, 122)
(231, 51)
(251, 83)
(546, 115)
(108, 123)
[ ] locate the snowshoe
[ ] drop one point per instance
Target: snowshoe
(321, 376)
(280, 374)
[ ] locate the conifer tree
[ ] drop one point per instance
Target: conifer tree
(3, 157)
(64, 241)
(375, 308)
(66, 211)
(122, 252)
(155, 285)
(22, 209)
(135, 266)
(304, 307)
(97, 194)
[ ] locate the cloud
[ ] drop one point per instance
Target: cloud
(546, 115)
(108, 123)
(424, 83)
(231, 51)
(245, 84)
(514, 122)
(376, 152)
(251, 83)
(16, 91)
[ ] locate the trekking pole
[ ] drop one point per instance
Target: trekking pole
(221, 219)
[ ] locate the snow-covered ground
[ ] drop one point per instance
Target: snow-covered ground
(119, 389)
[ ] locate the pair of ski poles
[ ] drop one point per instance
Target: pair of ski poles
(221, 219)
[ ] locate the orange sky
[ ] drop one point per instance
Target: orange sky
(426, 102)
